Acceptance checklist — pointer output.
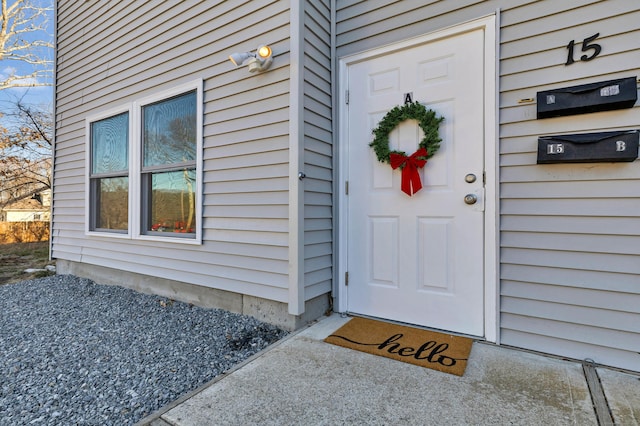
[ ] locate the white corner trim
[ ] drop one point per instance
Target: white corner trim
(492, 167)
(296, 162)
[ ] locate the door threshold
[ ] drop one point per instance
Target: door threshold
(421, 327)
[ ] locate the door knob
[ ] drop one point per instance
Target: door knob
(470, 198)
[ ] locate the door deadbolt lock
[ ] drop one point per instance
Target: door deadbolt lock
(470, 178)
(470, 198)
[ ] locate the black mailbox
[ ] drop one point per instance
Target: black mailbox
(589, 147)
(603, 96)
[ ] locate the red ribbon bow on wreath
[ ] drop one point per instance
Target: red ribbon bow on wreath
(411, 182)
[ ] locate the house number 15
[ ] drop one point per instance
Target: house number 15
(586, 46)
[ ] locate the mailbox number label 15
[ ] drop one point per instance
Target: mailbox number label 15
(587, 45)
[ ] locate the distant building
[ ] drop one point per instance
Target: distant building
(28, 210)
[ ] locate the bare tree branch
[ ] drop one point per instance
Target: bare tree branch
(24, 38)
(25, 154)
(26, 133)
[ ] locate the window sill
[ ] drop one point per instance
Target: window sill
(119, 235)
(156, 238)
(177, 240)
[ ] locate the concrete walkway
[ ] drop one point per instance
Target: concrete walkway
(304, 381)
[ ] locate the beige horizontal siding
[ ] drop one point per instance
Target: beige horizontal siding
(363, 25)
(569, 232)
(574, 332)
(586, 299)
(594, 225)
(113, 53)
(567, 347)
(317, 150)
(580, 278)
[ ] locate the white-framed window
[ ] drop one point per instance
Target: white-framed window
(108, 172)
(163, 173)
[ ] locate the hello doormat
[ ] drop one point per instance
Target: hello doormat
(438, 351)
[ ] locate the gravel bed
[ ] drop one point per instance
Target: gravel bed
(73, 352)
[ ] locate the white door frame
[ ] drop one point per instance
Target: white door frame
(491, 246)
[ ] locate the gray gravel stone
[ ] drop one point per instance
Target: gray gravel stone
(75, 352)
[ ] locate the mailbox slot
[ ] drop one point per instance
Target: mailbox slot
(589, 147)
(603, 96)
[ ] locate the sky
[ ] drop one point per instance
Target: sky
(36, 96)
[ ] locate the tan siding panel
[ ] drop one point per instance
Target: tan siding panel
(554, 172)
(314, 278)
(549, 75)
(251, 199)
(622, 244)
(362, 26)
(318, 237)
(613, 188)
(608, 326)
(265, 132)
(571, 349)
(599, 225)
(190, 27)
(236, 93)
(113, 54)
(317, 95)
(626, 264)
(599, 121)
(71, 192)
(247, 224)
(74, 179)
(274, 108)
(247, 185)
(314, 185)
(252, 147)
(249, 250)
(582, 333)
(616, 45)
(257, 119)
(318, 87)
(619, 303)
(248, 173)
(315, 290)
(559, 38)
(232, 282)
(318, 224)
(320, 160)
(537, 10)
(247, 161)
(319, 211)
(577, 207)
(555, 15)
(317, 250)
(318, 113)
(318, 147)
(266, 212)
(596, 280)
(213, 261)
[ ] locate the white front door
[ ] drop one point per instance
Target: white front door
(418, 259)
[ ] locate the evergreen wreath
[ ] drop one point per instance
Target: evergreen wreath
(427, 121)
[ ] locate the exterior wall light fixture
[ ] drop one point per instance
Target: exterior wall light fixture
(259, 60)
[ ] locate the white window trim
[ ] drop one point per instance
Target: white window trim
(135, 169)
(87, 198)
